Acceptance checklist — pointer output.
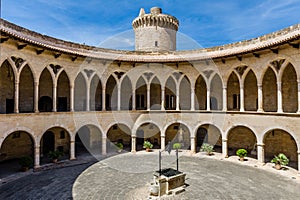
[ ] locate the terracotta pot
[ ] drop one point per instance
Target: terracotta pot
(277, 166)
(242, 158)
(148, 150)
(55, 160)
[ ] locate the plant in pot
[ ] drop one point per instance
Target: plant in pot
(25, 163)
(147, 145)
(208, 148)
(280, 160)
(242, 153)
(120, 147)
(176, 146)
(55, 155)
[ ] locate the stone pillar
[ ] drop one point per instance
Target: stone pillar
(260, 98)
(193, 145)
(148, 97)
(16, 97)
(88, 98)
(54, 91)
(104, 152)
(261, 153)
(119, 97)
(177, 97)
(103, 99)
(242, 98)
(133, 100)
(224, 148)
(279, 98)
(72, 150)
(36, 157)
(299, 162)
(225, 98)
(298, 96)
(133, 144)
(36, 97)
(208, 100)
(162, 98)
(162, 142)
(72, 98)
(192, 98)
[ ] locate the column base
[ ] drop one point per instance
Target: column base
(36, 167)
(73, 158)
(260, 110)
(133, 151)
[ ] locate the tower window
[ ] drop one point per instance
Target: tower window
(156, 43)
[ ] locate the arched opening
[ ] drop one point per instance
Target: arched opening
(216, 93)
(63, 92)
(241, 137)
(269, 88)
(279, 141)
(55, 139)
(185, 94)
(16, 145)
(148, 132)
(45, 91)
(118, 133)
(26, 90)
(88, 141)
(178, 133)
(126, 93)
(170, 94)
(96, 94)
(209, 134)
(7, 88)
(111, 98)
(155, 94)
(141, 94)
(201, 94)
(80, 93)
(250, 92)
(233, 92)
(289, 90)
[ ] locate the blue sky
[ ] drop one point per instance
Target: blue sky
(209, 23)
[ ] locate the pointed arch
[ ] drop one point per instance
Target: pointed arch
(45, 91)
(233, 92)
(141, 94)
(269, 87)
(7, 88)
(26, 90)
(170, 94)
(111, 99)
(95, 94)
(251, 92)
(118, 133)
(155, 94)
(80, 93)
(200, 93)
(126, 94)
(216, 93)
(289, 89)
(63, 92)
(185, 93)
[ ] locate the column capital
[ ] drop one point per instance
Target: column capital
(192, 137)
(260, 144)
(224, 140)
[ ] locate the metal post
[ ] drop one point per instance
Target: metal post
(159, 162)
(177, 158)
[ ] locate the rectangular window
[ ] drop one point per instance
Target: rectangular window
(62, 135)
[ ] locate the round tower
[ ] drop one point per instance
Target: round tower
(155, 31)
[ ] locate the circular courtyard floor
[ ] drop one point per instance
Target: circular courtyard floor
(128, 176)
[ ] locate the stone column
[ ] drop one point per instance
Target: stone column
(162, 142)
(72, 98)
(36, 157)
(148, 97)
(279, 98)
(133, 144)
(242, 98)
(208, 100)
(224, 148)
(261, 153)
(104, 152)
(225, 98)
(162, 98)
(87, 98)
(72, 150)
(192, 98)
(260, 98)
(119, 97)
(299, 162)
(54, 91)
(177, 97)
(193, 145)
(16, 97)
(103, 99)
(36, 97)
(298, 96)
(133, 100)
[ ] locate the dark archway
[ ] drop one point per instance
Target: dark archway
(269, 88)
(148, 132)
(251, 92)
(7, 88)
(289, 90)
(155, 94)
(26, 90)
(63, 92)
(80, 93)
(170, 94)
(111, 98)
(209, 134)
(233, 92)
(216, 93)
(185, 94)
(126, 93)
(141, 94)
(96, 94)
(178, 133)
(201, 94)
(45, 91)
(118, 133)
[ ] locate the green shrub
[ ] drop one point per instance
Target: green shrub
(280, 159)
(26, 161)
(176, 146)
(241, 153)
(55, 154)
(207, 148)
(147, 145)
(119, 146)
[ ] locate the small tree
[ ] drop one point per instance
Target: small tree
(207, 148)
(176, 146)
(241, 153)
(147, 145)
(119, 146)
(25, 162)
(279, 160)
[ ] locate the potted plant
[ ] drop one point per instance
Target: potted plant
(120, 147)
(208, 148)
(54, 155)
(176, 146)
(25, 163)
(147, 145)
(279, 160)
(242, 153)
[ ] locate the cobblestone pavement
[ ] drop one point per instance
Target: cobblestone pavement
(127, 176)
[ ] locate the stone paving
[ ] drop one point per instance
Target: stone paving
(127, 176)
